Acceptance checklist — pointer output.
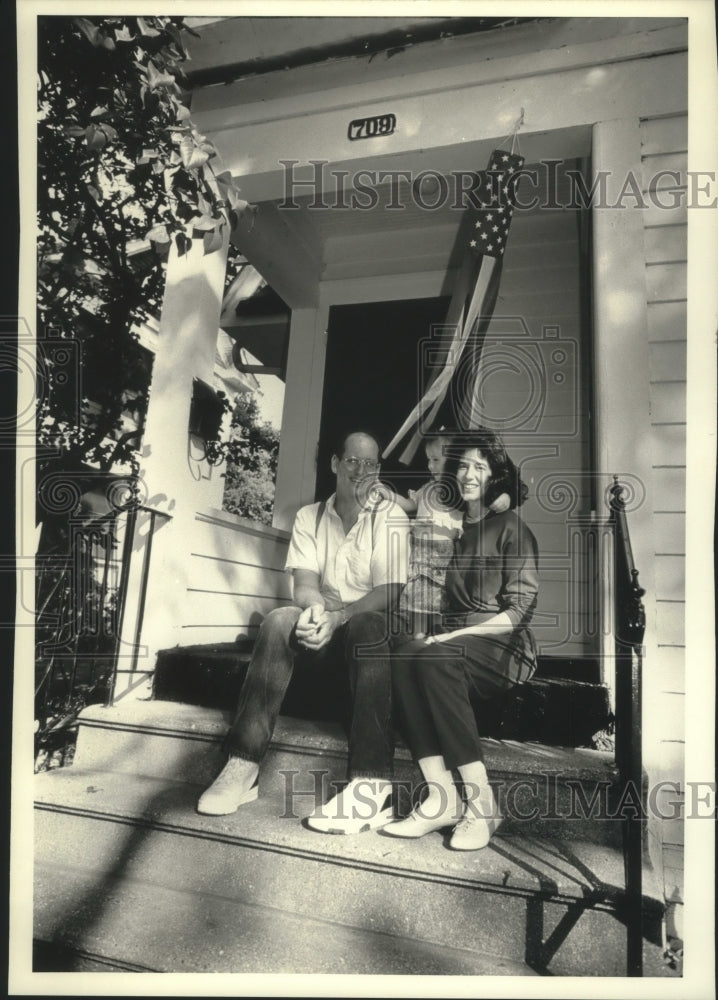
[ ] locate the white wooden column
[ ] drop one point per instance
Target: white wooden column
(187, 341)
(296, 471)
(173, 479)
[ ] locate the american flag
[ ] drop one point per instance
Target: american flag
(473, 299)
(490, 222)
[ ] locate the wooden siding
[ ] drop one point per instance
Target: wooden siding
(538, 313)
(663, 147)
(236, 576)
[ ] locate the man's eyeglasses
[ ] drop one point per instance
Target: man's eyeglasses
(367, 464)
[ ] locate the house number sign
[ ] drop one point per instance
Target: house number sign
(370, 128)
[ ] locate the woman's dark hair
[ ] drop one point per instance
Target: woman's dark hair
(505, 477)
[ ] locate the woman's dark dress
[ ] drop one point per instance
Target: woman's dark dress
(494, 569)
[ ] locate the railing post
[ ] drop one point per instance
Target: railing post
(131, 516)
(629, 625)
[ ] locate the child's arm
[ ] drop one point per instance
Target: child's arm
(501, 503)
(511, 490)
(520, 490)
(384, 492)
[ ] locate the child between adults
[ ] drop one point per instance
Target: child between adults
(435, 527)
(426, 502)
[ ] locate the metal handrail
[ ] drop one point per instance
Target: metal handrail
(629, 630)
(80, 632)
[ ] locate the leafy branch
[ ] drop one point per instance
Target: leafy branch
(121, 167)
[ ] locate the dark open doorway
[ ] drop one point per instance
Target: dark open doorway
(372, 378)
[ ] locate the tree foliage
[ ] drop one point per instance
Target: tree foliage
(121, 169)
(121, 166)
(251, 470)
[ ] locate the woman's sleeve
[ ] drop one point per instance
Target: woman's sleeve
(520, 581)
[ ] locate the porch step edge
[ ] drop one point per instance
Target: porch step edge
(234, 937)
(506, 758)
(564, 870)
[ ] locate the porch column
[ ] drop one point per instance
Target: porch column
(297, 466)
(175, 481)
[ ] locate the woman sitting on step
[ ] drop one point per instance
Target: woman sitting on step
(478, 647)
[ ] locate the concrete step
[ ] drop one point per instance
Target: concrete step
(145, 927)
(544, 791)
(542, 902)
(564, 710)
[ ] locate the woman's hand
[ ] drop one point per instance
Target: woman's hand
(499, 624)
(430, 640)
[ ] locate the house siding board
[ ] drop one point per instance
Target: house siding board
(667, 360)
(666, 282)
(671, 618)
(536, 293)
(236, 577)
(667, 320)
(668, 438)
(670, 668)
(665, 243)
(668, 404)
(658, 216)
(670, 576)
(664, 170)
(664, 144)
(661, 136)
(670, 531)
(669, 483)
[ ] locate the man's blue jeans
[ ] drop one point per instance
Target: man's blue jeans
(361, 647)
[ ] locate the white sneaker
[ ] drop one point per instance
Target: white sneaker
(236, 784)
(365, 804)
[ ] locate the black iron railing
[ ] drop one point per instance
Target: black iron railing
(83, 574)
(629, 628)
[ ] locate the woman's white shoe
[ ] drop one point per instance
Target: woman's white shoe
(479, 823)
(427, 817)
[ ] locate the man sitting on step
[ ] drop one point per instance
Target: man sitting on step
(348, 557)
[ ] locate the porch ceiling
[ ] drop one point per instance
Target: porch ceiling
(338, 241)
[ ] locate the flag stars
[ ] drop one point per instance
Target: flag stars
(505, 157)
(473, 243)
(494, 229)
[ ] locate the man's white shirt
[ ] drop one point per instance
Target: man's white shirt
(374, 552)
